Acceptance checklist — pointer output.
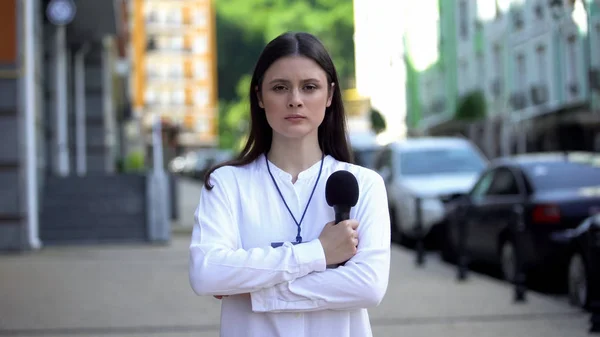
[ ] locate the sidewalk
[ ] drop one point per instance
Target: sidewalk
(144, 291)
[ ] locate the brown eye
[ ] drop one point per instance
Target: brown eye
(278, 88)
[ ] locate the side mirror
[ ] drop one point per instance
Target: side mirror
(385, 173)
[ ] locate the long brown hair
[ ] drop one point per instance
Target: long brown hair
(332, 132)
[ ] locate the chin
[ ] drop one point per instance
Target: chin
(296, 133)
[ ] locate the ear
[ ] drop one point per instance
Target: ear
(258, 96)
(331, 91)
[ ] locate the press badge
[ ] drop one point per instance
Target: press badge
(279, 244)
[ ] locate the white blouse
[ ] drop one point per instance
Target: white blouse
(292, 293)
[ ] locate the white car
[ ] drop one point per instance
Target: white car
(432, 169)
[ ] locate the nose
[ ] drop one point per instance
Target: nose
(295, 100)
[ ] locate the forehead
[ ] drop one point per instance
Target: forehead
(295, 68)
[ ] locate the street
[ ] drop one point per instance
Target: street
(141, 290)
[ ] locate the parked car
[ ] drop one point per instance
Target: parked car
(579, 273)
(433, 169)
(364, 147)
(550, 192)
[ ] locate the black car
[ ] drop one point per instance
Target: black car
(546, 193)
(584, 255)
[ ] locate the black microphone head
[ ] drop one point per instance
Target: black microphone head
(341, 189)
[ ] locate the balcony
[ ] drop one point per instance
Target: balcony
(594, 78)
(496, 87)
(518, 100)
(539, 94)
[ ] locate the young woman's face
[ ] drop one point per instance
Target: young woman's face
(294, 95)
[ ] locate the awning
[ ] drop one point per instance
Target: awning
(93, 20)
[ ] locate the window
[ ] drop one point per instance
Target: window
(482, 186)
(498, 62)
(200, 18)
(200, 45)
(178, 97)
(165, 97)
(440, 161)
(504, 183)
(541, 63)
(572, 70)
(200, 70)
(521, 75)
(464, 19)
(201, 97)
(466, 81)
(480, 70)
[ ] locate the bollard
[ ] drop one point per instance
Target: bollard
(594, 275)
(462, 262)
(518, 230)
(420, 248)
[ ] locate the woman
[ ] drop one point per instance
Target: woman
(263, 232)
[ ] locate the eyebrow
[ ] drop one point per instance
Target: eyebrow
(281, 80)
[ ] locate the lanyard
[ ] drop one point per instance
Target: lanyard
(298, 236)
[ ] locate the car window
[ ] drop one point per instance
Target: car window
(383, 159)
(482, 186)
(440, 160)
(559, 175)
(504, 183)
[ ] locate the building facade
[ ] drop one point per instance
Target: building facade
(174, 72)
(379, 66)
(59, 108)
(535, 61)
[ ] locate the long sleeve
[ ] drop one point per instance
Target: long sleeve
(218, 266)
(359, 283)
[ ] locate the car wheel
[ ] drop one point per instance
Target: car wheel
(577, 278)
(508, 261)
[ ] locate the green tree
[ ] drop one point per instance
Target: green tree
(377, 121)
(471, 107)
(243, 29)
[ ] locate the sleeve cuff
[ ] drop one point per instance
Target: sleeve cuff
(310, 257)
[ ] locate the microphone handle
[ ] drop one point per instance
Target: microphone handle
(341, 213)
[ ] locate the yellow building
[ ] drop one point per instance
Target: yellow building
(174, 73)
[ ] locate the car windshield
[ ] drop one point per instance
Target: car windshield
(365, 157)
(561, 175)
(440, 161)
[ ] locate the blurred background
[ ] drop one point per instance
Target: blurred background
(482, 116)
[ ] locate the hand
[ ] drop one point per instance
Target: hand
(339, 241)
(220, 297)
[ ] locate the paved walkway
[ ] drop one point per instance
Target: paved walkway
(143, 291)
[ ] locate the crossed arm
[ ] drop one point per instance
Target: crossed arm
(290, 278)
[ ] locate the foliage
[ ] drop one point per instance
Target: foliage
(377, 121)
(134, 162)
(471, 107)
(243, 29)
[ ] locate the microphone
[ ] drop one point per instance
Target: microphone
(341, 193)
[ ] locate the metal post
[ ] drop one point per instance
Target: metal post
(80, 101)
(420, 249)
(594, 277)
(518, 235)
(108, 106)
(462, 262)
(30, 53)
(62, 148)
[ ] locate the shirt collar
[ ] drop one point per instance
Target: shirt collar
(305, 175)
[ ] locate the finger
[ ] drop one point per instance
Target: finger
(355, 242)
(354, 224)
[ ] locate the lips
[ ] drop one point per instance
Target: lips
(295, 117)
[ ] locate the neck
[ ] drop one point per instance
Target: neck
(294, 156)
